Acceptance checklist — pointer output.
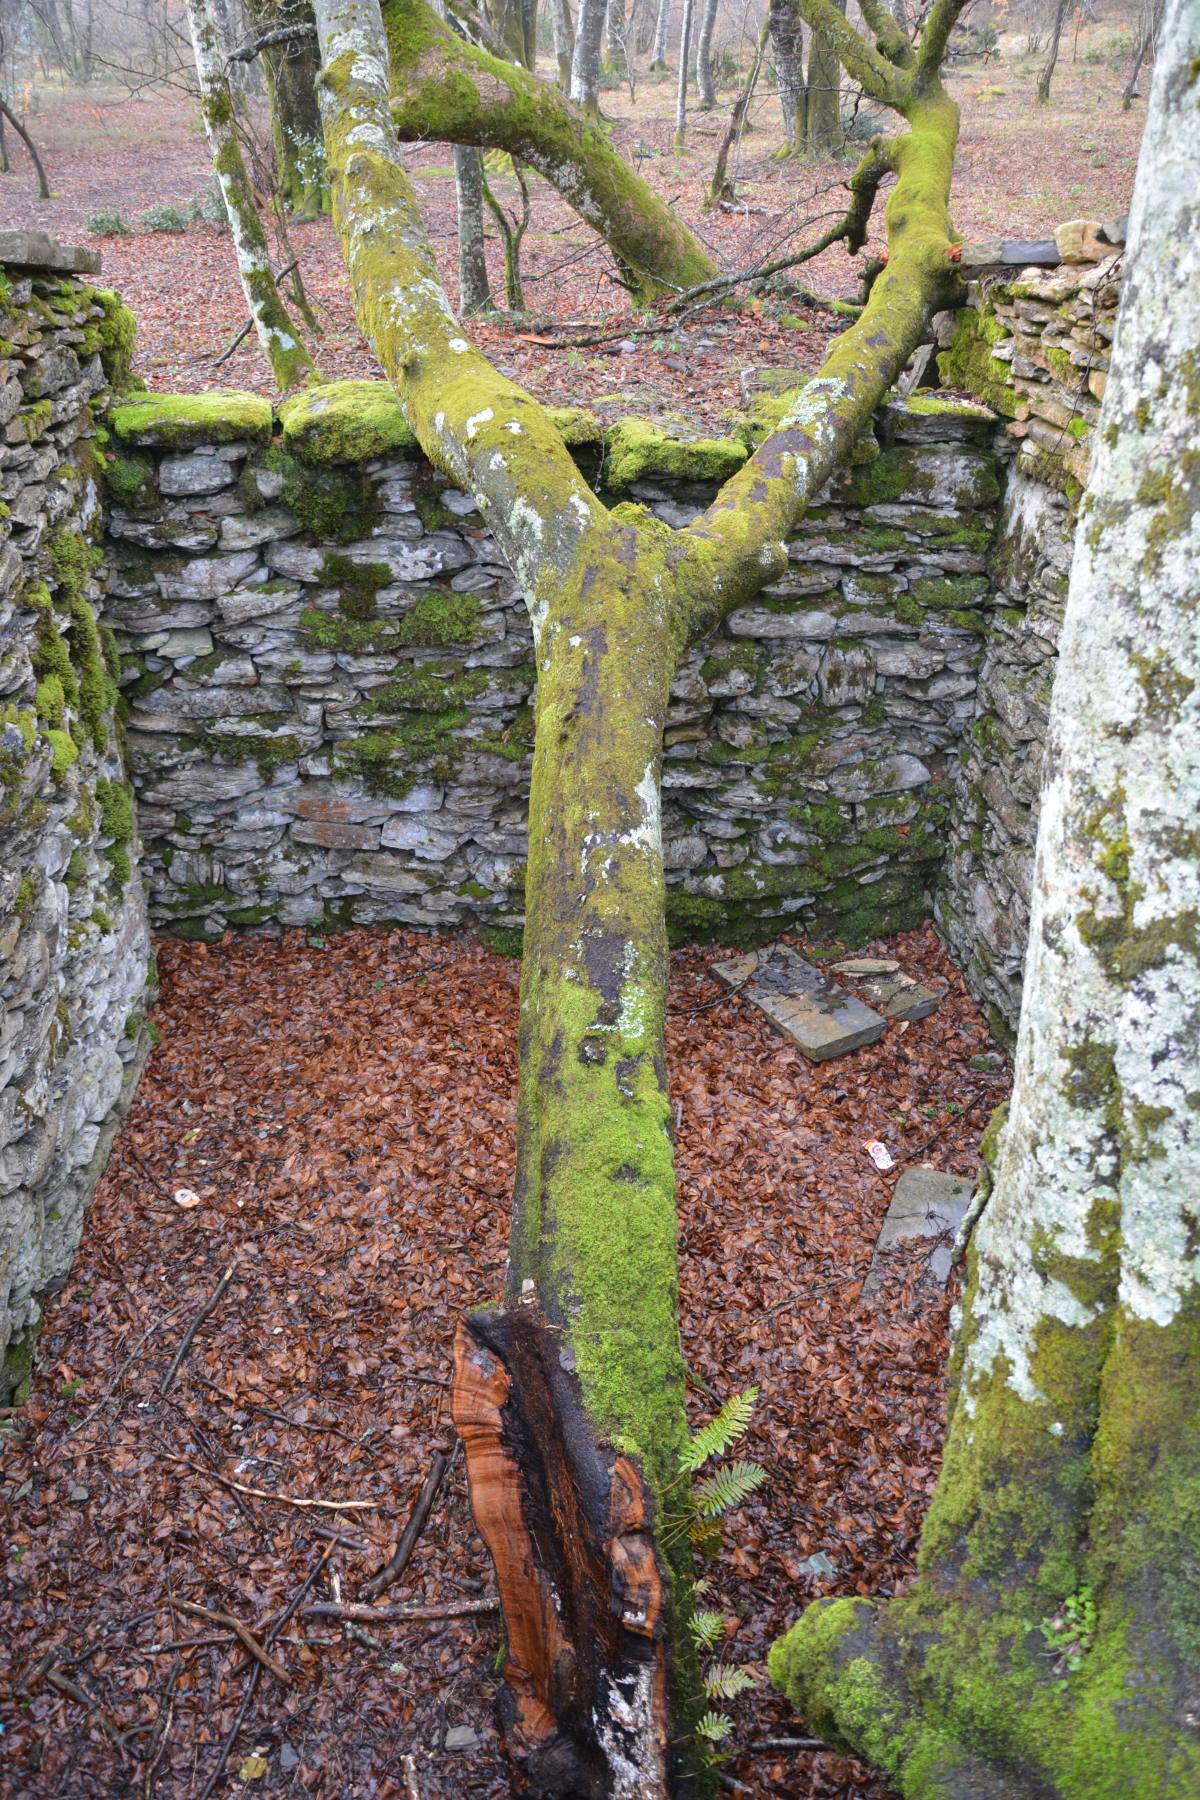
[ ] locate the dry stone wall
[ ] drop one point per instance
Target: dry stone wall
(74, 946)
(1036, 348)
(329, 671)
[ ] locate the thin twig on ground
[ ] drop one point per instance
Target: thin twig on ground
(396, 1564)
(206, 1311)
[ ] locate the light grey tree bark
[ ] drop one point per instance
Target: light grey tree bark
(281, 343)
(704, 74)
(661, 27)
(474, 294)
(614, 34)
(564, 41)
(585, 65)
(685, 47)
(787, 36)
(1065, 1515)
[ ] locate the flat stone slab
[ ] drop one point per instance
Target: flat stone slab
(884, 985)
(927, 1203)
(802, 1003)
(38, 250)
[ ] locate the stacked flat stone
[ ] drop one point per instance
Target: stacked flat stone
(329, 673)
(74, 947)
(1038, 347)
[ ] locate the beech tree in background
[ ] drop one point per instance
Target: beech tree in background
(704, 69)
(281, 343)
(1051, 1643)
(570, 1398)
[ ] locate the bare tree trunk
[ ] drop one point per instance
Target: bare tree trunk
(1048, 1646)
(570, 1398)
(474, 294)
(1047, 74)
(823, 133)
(685, 45)
(564, 41)
(585, 68)
(290, 71)
(614, 36)
(1152, 21)
(43, 185)
(788, 38)
(661, 27)
(721, 188)
(704, 74)
(285, 352)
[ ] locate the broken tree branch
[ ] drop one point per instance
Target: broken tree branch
(394, 1568)
(206, 1311)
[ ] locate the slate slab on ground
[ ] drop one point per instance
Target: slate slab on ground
(927, 1203)
(802, 1002)
(882, 983)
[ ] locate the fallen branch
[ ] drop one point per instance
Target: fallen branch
(240, 1487)
(206, 1311)
(788, 1743)
(242, 1632)
(394, 1568)
(398, 1615)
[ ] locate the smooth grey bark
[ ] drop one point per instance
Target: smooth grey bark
(564, 40)
(704, 74)
(787, 36)
(614, 35)
(474, 294)
(585, 65)
(823, 124)
(685, 45)
(661, 27)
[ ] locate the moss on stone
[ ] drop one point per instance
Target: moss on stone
(968, 363)
(638, 448)
(577, 426)
(183, 421)
(111, 337)
(125, 477)
(334, 504)
(344, 422)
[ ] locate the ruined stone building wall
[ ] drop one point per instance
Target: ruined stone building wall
(74, 944)
(325, 679)
(1036, 349)
(329, 671)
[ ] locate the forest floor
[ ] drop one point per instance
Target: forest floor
(1021, 169)
(333, 1121)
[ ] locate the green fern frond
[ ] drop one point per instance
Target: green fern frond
(701, 1586)
(725, 1429)
(714, 1727)
(707, 1536)
(726, 1488)
(724, 1682)
(707, 1627)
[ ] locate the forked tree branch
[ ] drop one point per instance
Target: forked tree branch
(931, 49)
(873, 72)
(887, 34)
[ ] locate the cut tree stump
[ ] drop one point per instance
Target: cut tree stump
(927, 1203)
(802, 1002)
(567, 1521)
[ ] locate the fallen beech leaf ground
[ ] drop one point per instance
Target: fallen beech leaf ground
(345, 1112)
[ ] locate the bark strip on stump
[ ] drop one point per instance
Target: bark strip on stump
(568, 1523)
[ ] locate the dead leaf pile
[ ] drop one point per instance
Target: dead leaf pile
(343, 1111)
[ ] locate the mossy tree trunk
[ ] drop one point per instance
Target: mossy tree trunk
(448, 89)
(570, 1397)
(1051, 1643)
(281, 343)
(823, 120)
(291, 77)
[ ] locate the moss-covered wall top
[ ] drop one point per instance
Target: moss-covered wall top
(328, 670)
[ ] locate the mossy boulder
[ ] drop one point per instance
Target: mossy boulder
(577, 426)
(345, 421)
(182, 421)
